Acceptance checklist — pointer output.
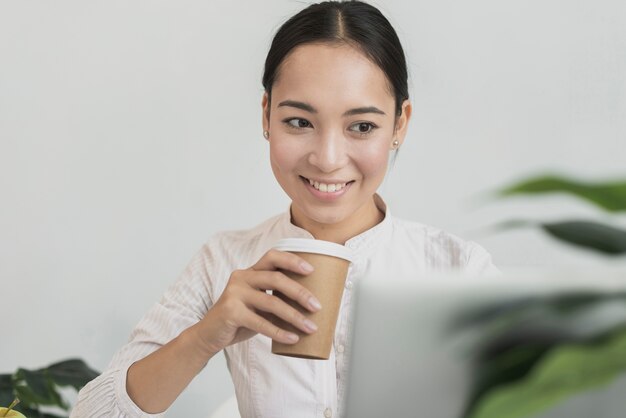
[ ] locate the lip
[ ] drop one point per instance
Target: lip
(327, 181)
(327, 196)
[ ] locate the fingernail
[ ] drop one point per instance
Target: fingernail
(314, 303)
(306, 267)
(308, 324)
(292, 337)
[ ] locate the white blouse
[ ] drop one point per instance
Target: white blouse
(269, 385)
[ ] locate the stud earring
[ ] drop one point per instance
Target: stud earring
(395, 144)
(266, 134)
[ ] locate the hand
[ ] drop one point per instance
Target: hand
(244, 307)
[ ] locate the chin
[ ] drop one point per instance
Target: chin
(326, 216)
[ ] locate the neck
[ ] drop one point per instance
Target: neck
(366, 217)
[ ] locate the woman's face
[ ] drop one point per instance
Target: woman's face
(331, 126)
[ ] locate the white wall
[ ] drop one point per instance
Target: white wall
(130, 132)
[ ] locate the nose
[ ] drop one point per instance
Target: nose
(330, 152)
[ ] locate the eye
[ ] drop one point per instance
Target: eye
(363, 128)
(297, 123)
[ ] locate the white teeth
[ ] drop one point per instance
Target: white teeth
(327, 188)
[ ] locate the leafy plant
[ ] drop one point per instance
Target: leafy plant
(596, 236)
(40, 388)
(610, 196)
(538, 352)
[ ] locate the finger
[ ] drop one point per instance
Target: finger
(277, 280)
(261, 325)
(281, 309)
(282, 260)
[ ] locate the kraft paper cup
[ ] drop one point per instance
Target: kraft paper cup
(326, 282)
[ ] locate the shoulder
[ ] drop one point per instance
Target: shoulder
(442, 249)
(420, 234)
(237, 248)
(227, 251)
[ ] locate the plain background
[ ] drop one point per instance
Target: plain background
(130, 131)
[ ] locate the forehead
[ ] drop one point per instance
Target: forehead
(331, 73)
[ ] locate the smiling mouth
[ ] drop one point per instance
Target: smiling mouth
(326, 187)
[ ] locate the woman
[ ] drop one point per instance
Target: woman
(335, 106)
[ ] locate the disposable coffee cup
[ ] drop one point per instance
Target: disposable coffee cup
(326, 282)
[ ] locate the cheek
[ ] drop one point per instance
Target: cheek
(282, 156)
(373, 160)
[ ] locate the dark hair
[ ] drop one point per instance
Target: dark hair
(351, 22)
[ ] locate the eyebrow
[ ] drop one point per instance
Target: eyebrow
(308, 108)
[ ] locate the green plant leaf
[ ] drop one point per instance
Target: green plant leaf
(6, 390)
(517, 334)
(36, 388)
(503, 369)
(592, 235)
(610, 196)
(565, 371)
(73, 372)
(35, 413)
(39, 387)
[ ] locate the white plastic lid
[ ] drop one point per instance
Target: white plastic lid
(315, 246)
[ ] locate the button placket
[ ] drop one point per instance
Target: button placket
(343, 315)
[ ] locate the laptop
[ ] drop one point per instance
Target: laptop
(519, 345)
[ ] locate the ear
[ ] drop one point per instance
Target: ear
(265, 113)
(402, 123)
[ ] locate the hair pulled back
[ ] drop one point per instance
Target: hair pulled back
(354, 23)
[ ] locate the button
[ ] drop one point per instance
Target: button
(328, 413)
(341, 349)
(349, 284)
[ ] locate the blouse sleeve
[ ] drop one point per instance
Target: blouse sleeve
(478, 261)
(183, 304)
